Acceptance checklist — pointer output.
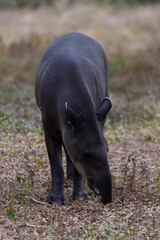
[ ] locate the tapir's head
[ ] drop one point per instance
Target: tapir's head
(87, 148)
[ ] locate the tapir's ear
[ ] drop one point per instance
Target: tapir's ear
(104, 109)
(73, 118)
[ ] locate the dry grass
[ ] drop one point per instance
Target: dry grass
(132, 129)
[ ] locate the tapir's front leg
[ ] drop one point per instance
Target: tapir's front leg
(56, 195)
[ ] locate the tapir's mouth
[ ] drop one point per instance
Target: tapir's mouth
(93, 187)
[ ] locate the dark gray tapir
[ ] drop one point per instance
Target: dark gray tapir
(72, 94)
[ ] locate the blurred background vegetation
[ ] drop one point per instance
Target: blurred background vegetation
(36, 3)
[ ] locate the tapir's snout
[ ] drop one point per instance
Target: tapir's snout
(102, 186)
(105, 188)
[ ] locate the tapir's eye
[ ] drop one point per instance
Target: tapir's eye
(70, 124)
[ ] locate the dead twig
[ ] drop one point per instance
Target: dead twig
(37, 201)
(137, 191)
(131, 157)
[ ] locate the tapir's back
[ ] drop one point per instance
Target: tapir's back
(73, 70)
(73, 57)
(75, 45)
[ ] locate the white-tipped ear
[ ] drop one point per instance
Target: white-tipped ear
(104, 109)
(73, 117)
(66, 106)
(109, 101)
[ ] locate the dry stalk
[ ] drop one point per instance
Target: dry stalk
(131, 157)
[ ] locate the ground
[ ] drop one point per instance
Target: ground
(130, 37)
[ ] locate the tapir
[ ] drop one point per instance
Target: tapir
(72, 93)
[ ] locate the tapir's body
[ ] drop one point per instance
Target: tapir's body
(72, 93)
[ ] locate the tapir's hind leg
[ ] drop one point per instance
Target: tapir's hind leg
(79, 192)
(70, 168)
(56, 195)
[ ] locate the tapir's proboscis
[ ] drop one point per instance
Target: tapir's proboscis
(72, 94)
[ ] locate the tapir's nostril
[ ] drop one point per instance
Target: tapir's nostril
(97, 192)
(92, 186)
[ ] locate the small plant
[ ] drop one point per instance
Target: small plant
(69, 182)
(10, 209)
(37, 160)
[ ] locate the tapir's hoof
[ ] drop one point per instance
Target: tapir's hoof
(56, 201)
(79, 197)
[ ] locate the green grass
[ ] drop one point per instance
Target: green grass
(18, 87)
(118, 66)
